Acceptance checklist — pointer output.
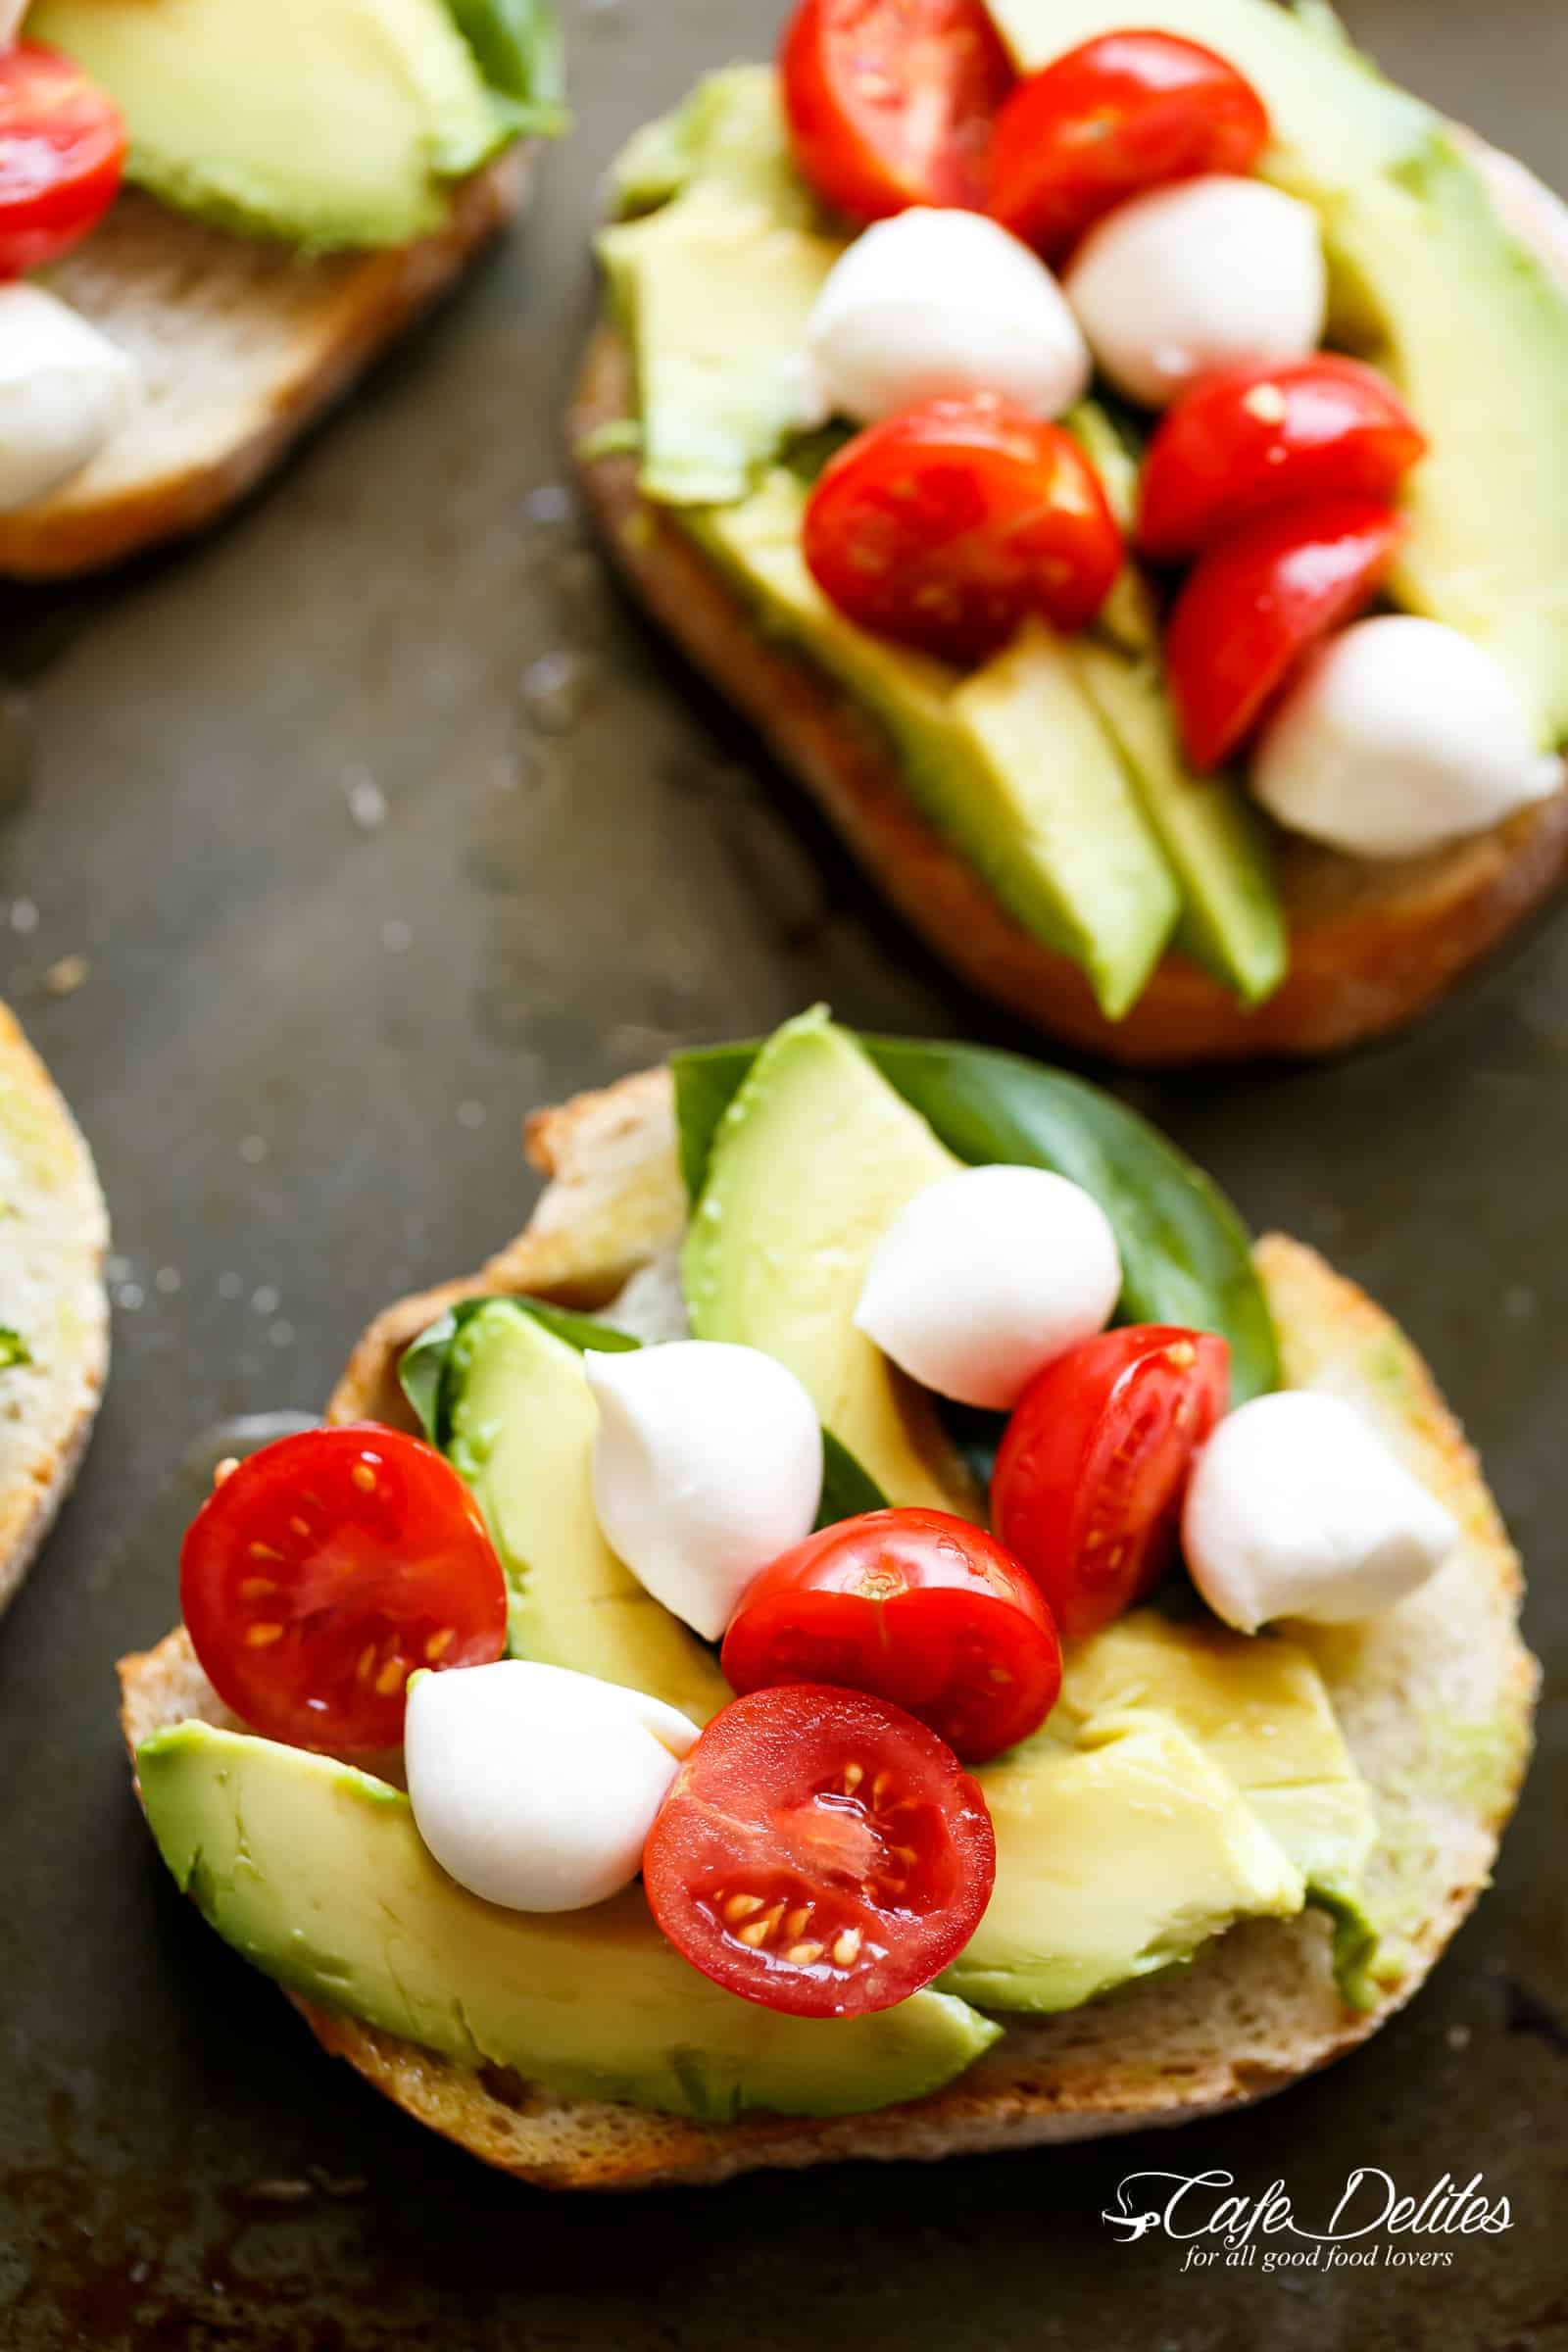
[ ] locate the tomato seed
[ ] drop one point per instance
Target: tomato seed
(797, 1919)
(258, 1637)
(854, 1774)
(847, 1950)
(256, 1588)
(803, 1954)
(364, 1478)
(438, 1642)
(391, 1674)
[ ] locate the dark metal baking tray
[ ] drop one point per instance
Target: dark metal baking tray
(378, 819)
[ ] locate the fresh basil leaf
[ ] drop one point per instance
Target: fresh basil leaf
(708, 1079)
(422, 1371)
(847, 1489)
(1185, 1252)
(13, 1349)
(516, 46)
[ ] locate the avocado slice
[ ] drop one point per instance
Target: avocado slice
(712, 283)
(1231, 918)
(727, 138)
(716, 308)
(1475, 334)
(1187, 1777)
(1011, 764)
(1427, 283)
(521, 1421)
(1119, 1853)
(1260, 1710)
(331, 122)
(814, 1157)
(317, 1874)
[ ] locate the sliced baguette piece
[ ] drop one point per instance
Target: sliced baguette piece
(1435, 1696)
(241, 345)
(54, 1230)
(1373, 943)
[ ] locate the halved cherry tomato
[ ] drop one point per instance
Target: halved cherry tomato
(1123, 112)
(323, 1570)
(820, 1851)
(889, 102)
(1252, 604)
(62, 152)
(1093, 1463)
(947, 525)
(922, 1608)
(1254, 438)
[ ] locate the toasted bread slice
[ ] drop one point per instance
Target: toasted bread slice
(241, 344)
(54, 1230)
(1435, 1698)
(1372, 943)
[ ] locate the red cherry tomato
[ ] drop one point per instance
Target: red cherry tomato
(1091, 1468)
(820, 1851)
(1121, 114)
(920, 1607)
(62, 152)
(325, 1570)
(889, 102)
(1256, 437)
(947, 525)
(1252, 604)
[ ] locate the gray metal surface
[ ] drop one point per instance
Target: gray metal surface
(358, 881)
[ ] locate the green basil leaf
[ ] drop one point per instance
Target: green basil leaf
(13, 1349)
(1185, 1252)
(847, 1489)
(707, 1081)
(518, 47)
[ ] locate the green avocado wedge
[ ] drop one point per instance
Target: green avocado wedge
(1186, 1255)
(326, 123)
(315, 1872)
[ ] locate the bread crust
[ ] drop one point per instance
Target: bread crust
(241, 344)
(1373, 943)
(54, 1231)
(1258, 2006)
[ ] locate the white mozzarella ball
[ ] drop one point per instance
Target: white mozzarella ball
(534, 1786)
(1201, 275)
(986, 1276)
(65, 392)
(933, 302)
(706, 1464)
(1399, 735)
(1297, 1508)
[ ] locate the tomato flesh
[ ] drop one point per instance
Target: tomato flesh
(889, 102)
(820, 1852)
(947, 525)
(1252, 604)
(1126, 112)
(920, 1607)
(1252, 439)
(1093, 1463)
(323, 1570)
(62, 153)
